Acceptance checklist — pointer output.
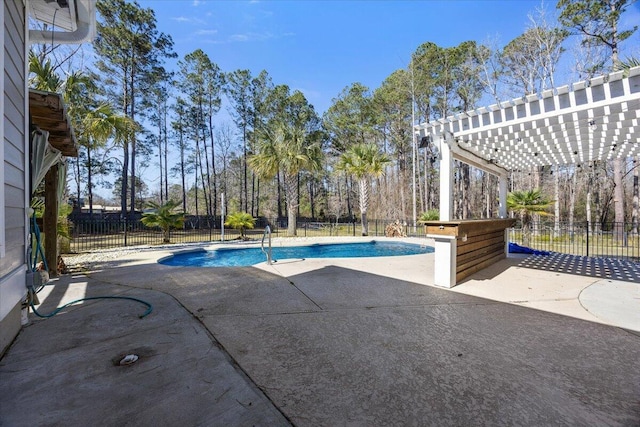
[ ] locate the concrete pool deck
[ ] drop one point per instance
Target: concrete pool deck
(331, 342)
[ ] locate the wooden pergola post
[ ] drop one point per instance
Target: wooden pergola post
(51, 220)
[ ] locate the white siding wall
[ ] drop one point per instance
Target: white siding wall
(2, 233)
(13, 158)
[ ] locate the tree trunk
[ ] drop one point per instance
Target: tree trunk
(466, 191)
(133, 144)
(51, 219)
(160, 164)
(202, 174)
(290, 187)
(618, 199)
(244, 164)
(195, 192)
(207, 183)
(364, 204)
(183, 173)
(213, 167)
(572, 200)
(312, 200)
(347, 189)
(279, 195)
(89, 178)
(125, 180)
(298, 194)
(78, 183)
(166, 160)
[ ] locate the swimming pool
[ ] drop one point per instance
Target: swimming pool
(242, 257)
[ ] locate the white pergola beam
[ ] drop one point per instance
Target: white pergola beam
(553, 127)
(574, 124)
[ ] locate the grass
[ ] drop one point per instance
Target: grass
(600, 245)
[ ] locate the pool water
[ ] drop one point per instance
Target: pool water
(240, 257)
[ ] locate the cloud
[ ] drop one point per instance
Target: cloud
(239, 38)
(249, 37)
(206, 32)
(185, 20)
(252, 36)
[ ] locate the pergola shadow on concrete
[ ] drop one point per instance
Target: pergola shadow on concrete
(576, 124)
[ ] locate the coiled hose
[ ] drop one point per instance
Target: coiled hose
(57, 310)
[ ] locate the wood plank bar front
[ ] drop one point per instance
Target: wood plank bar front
(466, 247)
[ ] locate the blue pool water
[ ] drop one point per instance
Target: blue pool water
(240, 257)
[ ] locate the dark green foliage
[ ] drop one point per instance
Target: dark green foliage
(163, 216)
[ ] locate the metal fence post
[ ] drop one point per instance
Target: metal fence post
(125, 231)
(588, 227)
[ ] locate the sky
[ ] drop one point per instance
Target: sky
(321, 47)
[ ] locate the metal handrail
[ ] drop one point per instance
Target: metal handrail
(267, 231)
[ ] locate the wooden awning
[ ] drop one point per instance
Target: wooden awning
(48, 112)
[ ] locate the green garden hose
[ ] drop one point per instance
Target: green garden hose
(57, 310)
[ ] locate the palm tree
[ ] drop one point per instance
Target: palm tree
(240, 221)
(525, 204)
(286, 148)
(76, 89)
(43, 75)
(364, 161)
(627, 64)
(163, 216)
(99, 125)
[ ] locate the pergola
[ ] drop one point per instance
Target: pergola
(587, 121)
(590, 120)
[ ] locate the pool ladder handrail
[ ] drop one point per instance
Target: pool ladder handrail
(267, 231)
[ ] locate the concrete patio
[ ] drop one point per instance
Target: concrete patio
(331, 342)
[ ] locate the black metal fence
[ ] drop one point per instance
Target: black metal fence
(609, 240)
(104, 233)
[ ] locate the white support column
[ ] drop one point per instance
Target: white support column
(445, 246)
(502, 189)
(446, 180)
(444, 272)
(502, 211)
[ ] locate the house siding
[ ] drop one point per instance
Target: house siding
(14, 146)
(14, 138)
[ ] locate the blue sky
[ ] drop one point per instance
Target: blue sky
(320, 47)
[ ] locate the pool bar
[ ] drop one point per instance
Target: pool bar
(465, 247)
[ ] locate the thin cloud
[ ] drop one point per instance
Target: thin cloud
(247, 37)
(206, 32)
(251, 37)
(239, 38)
(185, 20)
